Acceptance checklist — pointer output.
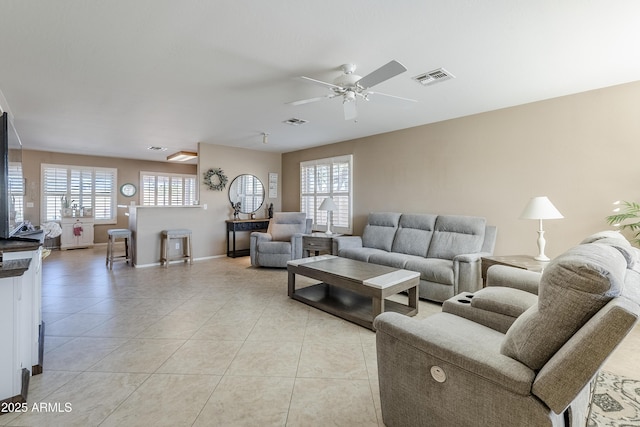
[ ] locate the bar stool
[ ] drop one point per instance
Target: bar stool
(181, 233)
(115, 234)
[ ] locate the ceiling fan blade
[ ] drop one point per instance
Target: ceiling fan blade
(350, 110)
(391, 69)
(390, 98)
(320, 83)
(310, 100)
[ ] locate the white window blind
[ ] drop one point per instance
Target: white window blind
(85, 187)
(16, 190)
(162, 189)
(324, 178)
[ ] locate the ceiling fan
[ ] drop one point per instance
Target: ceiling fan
(351, 86)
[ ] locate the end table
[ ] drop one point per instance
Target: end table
(317, 242)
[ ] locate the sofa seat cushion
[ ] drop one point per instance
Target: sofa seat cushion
(360, 254)
(390, 259)
(573, 287)
(431, 269)
(456, 235)
(274, 248)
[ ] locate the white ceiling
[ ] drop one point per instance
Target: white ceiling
(115, 77)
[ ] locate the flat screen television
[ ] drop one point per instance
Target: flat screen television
(11, 181)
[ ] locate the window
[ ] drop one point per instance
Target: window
(83, 187)
(16, 191)
(165, 189)
(324, 178)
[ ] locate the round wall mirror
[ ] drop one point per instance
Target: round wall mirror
(249, 191)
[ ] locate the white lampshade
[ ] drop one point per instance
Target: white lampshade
(540, 208)
(328, 205)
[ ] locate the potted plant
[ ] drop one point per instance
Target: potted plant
(66, 211)
(627, 217)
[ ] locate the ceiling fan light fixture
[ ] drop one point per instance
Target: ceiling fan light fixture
(182, 156)
(349, 96)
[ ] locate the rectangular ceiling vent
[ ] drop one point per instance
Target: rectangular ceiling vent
(295, 122)
(433, 77)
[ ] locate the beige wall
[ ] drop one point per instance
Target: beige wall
(209, 232)
(234, 162)
(581, 151)
(128, 171)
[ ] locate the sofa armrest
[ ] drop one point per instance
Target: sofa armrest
(467, 271)
(254, 239)
(296, 246)
(346, 242)
(454, 344)
(512, 277)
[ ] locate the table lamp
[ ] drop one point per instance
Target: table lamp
(329, 206)
(540, 208)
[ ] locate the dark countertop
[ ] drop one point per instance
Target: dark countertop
(14, 268)
(18, 244)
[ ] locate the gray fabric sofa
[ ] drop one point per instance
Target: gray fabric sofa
(448, 370)
(444, 249)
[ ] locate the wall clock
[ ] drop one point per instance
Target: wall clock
(128, 189)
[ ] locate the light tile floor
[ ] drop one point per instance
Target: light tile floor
(216, 343)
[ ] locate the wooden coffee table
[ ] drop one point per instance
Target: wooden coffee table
(353, 290)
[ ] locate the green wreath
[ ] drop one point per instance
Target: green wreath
(211, 182)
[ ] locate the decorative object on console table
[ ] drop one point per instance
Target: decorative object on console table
(249, 225)
(318, 242)
(525, 262)
(329, 206)
(540, 208)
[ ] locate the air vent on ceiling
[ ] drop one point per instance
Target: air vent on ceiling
(433, 77)
(295, 122)
(154, 148)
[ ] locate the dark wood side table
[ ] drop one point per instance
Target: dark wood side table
(526, 262)
(242, 225)
(317, 242)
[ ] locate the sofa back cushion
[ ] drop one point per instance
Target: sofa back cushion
(380, 230)
(574, 286)
(284, 225)
(455, 235)
(414, 234)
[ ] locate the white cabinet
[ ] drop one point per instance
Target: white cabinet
(20, 321)
(77, 232)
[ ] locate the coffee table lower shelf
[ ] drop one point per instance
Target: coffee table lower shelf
(346, 304)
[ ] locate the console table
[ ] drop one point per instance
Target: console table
(242, 225)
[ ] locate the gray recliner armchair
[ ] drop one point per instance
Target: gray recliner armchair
(448, 370)
(282, 241)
